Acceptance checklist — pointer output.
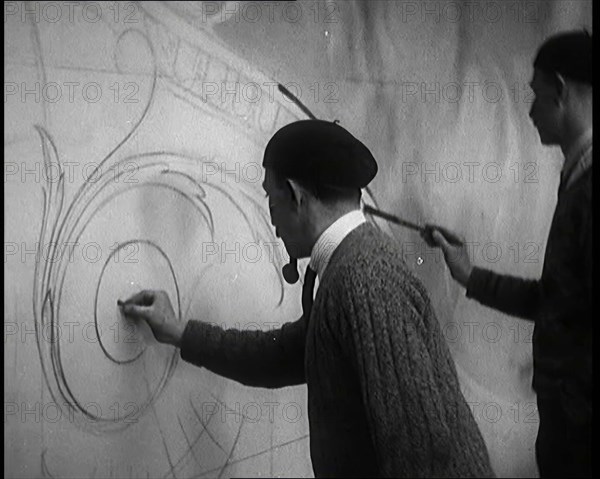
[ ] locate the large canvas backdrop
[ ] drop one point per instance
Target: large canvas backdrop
(133, 140)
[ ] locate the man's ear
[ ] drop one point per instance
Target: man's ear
(298, 192)
(561, 87)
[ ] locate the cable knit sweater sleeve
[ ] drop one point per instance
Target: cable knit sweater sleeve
(415, 411)
(268, 359)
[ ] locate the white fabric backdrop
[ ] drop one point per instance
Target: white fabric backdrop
(131, 97)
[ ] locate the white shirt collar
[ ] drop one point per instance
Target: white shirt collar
(331, 238)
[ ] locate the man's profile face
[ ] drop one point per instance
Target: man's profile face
(546, 111)
(285, 217)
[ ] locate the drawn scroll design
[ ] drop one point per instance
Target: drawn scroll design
(167, 173)
(162, 170)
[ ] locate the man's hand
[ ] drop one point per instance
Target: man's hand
(155, 308)
(454, 249)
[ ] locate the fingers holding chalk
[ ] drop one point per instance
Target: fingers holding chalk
(137, 305)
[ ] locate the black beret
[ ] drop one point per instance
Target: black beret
(320, 152)
(569, 54)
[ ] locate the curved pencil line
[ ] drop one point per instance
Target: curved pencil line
(103, 204)
(162, 434)
(51, 157)
(57, 363)
(237, 437)
(96, 326)
(189, 450)
(205, 426)
(82, 188)
(260, 453)
(44, 466)
(39, 60)
(190, 445)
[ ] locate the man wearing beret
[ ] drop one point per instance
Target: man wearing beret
(560, 302)
(383, 393)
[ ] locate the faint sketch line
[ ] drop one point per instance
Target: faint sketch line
(205, 426)
(197, 280)
(260, 453)
(237, 437)
(39, 59)
(191, 444)
(163, 439)
(44, 466)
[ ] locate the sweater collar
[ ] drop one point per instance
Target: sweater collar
(331, 238)
(578, 159)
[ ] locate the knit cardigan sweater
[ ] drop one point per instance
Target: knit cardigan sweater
(383, 393)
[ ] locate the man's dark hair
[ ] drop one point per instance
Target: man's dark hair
(568, 54)
(331, 194)
(325, 193)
